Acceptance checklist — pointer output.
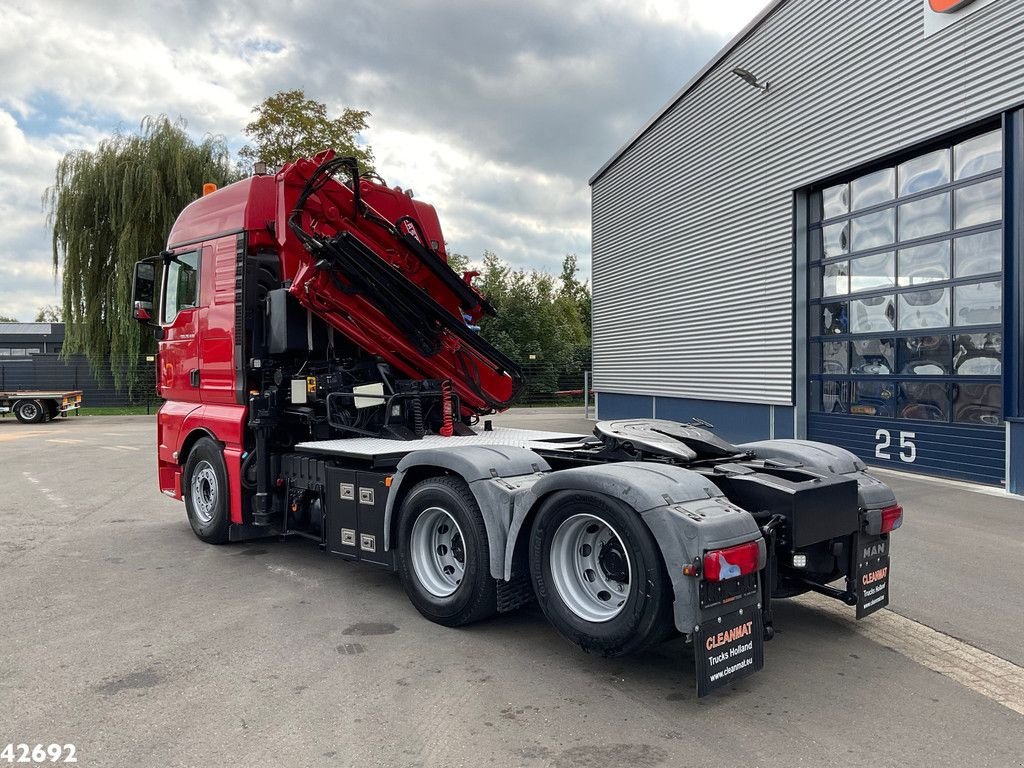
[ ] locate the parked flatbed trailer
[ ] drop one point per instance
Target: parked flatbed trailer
(35, 406)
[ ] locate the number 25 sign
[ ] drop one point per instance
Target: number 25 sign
(908, 448)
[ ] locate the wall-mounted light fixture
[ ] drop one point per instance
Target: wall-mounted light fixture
(750, 78)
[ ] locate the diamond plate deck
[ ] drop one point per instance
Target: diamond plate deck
(378, 448)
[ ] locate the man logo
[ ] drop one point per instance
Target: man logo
(948, 6)
(874, 550)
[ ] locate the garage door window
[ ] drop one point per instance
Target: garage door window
(906, 289)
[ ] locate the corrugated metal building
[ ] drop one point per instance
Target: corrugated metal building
(838, 255)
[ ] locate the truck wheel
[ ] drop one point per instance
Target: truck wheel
(206, 492)
(29, 411)
(443, 557)
(598, 574)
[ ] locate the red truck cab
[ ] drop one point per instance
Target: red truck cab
(200, 369)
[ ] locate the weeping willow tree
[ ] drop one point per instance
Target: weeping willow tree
(110, 207)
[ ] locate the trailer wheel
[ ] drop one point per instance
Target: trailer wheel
(443, 556)
(206, 492)
(29, 411)
(598, 575)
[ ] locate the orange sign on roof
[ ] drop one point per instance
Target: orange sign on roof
(948, 6)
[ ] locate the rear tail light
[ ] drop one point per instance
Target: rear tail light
(722, 564)
(892, 518)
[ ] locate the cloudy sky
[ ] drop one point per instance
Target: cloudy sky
(496, 112)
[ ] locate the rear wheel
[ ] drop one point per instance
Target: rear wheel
(206, 492)
(443, 556)
(29, 411)
(598, 575)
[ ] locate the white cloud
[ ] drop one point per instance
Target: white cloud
(495, 113)
(26, 272)
(721, 17)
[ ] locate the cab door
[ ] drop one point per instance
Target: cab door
(219, 361)
(179, 318)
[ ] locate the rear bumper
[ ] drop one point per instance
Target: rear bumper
(72, 401)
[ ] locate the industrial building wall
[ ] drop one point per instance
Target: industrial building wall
(693, 225)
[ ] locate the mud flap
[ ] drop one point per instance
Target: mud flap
(872, 587)
(728, 648)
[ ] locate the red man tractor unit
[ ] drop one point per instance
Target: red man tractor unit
(325, 379)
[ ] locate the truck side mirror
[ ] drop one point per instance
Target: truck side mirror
(143, 291)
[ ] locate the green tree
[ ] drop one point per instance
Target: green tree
(458, 263)
(289, 126)
(8, 319)
(49, 313)
(573, 301)
(572, 304)
(110, 207)
(542, 322)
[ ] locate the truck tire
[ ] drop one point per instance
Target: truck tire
(443, 556)
(206, 492)
(598, 575)
(29, 411)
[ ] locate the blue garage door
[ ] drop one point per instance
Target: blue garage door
(905, 300)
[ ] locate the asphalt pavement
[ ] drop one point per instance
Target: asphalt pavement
(124, 635)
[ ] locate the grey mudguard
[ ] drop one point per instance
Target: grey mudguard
(641, 485)
(497, 476)
(830, 458)
(684, 532)
(872, 493)
(686, 513)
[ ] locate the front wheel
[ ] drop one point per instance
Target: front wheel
(206, 492)
(443, 556)
(598, 574)
(29, 411)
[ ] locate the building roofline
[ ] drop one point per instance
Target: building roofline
(694, 81)
(30, 329)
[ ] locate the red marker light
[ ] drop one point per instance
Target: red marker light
(892, 518)
(722, 564)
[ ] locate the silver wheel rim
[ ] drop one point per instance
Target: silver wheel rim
(438, 552)
(204, 491)
(29, 411)
(590, 568)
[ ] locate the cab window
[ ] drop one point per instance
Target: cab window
(182, 285)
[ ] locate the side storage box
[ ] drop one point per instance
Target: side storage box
(817, 506)
(371, 499)
(342, 536)
(355, 515)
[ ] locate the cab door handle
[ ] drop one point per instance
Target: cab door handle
(193, 377)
